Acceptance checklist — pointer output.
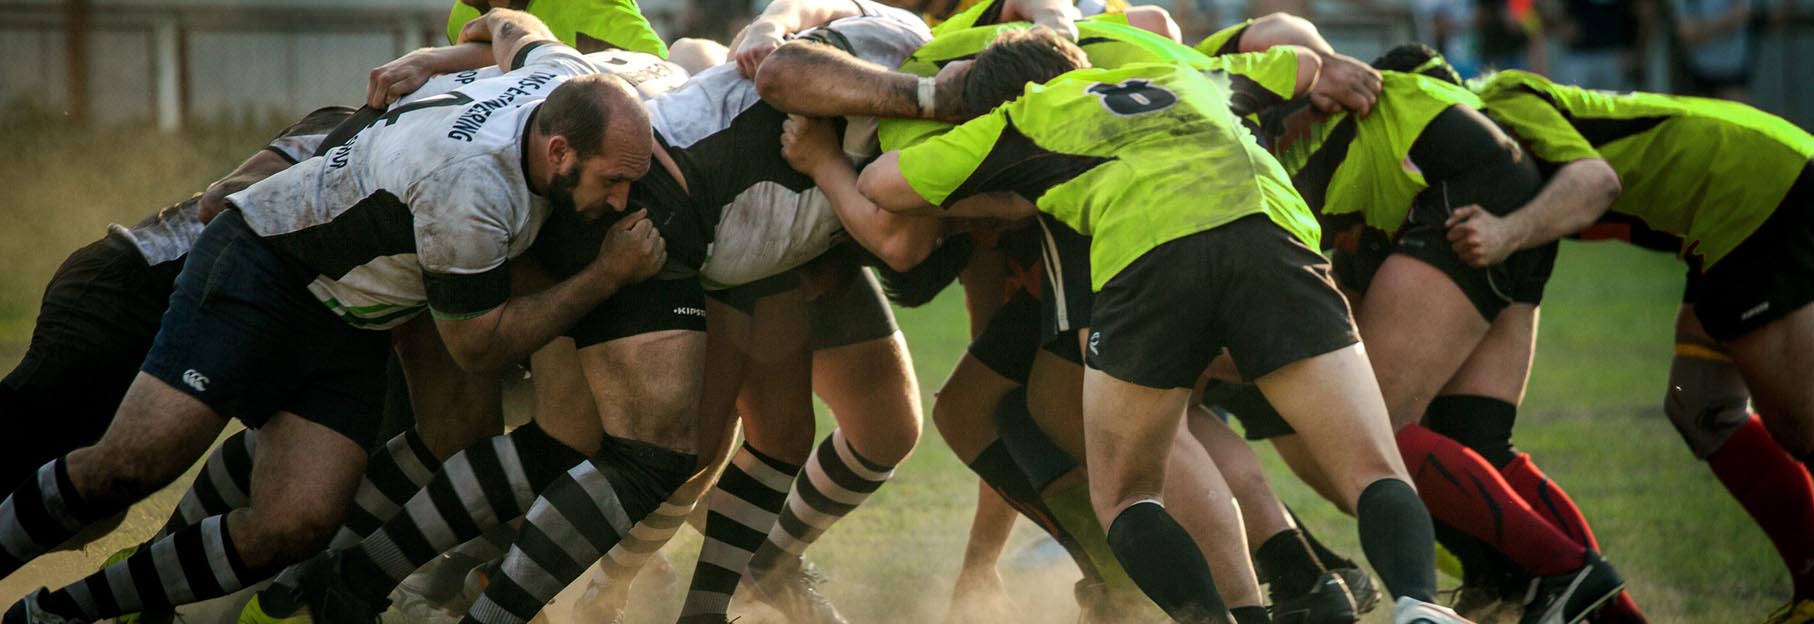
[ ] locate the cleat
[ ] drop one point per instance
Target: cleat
(1570, 598)
(321, 594)
(1412, 611)
(1361, 587)
(27, 611)
(254, 613)
(792, 588)
(1327, 602)
(1795, 612)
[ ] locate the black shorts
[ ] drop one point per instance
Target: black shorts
(1249, 286)
(643, 308)
(99, 314)
(1065, 347)
(1766, 277)
(1011, 339)
(1259, 421)
(245, 336)
(1469, 160)
(853, 311)
(743, 297)
(1065, 295)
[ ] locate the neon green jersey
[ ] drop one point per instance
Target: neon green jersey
(1109, 42)
(619, 23)
(1225, 41)
(1132, 157)
(1707, 171)
(1347, 166)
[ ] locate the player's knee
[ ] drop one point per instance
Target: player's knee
(290, 532)
(122, 477)
(1707, 401)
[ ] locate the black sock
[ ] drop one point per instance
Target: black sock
(1481, 565)
(1285, 563)
(998, 470)
(1251, 615)
(1396, 534)
(1480, 423)
(1330, 559)
(1038, 456)
(42, 514)
(1165, 562)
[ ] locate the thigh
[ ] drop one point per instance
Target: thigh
(647, 386)
(564, 408)
(966, 405)
(158, 433)
(1500, 365)
(873, 393)
(1055, 400)
(454, 408)
(1333, 402)
(775, 400)
(851, 313)
(726, 360)
(1777, 362)
(1419, 328)
(1128, 432)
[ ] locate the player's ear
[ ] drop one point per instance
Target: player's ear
(559, 150)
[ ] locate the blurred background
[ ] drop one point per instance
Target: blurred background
(179, 62)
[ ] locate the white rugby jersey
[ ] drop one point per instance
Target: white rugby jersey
(651, 75)
(422, 208)
(767, 218)
(167, 235)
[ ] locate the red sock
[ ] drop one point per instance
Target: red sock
(1463, 490)
(1776, 489)
(1548, 499)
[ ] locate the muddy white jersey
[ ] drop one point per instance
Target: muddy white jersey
(650, 75)
(422, 208)
(766, 217)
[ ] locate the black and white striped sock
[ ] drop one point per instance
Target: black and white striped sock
(224, 485)
(42, 514)
(742, 510)
(582, 515)
(195, 563)
(489, 484)
(395, 472)
(645, 539)
(836, 480)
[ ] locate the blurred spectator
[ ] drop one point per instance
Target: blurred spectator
(1716, 43)
(1600, 42)
(1506, 34)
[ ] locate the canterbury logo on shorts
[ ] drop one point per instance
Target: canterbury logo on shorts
(196, 380)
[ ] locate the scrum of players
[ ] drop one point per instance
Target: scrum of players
(681, 244)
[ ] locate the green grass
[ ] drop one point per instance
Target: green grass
(1592, 419)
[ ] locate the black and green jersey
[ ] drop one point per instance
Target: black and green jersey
(1346, 166)
(1263, 78)
(1133, 157)
(1708, 171)
(619, 23)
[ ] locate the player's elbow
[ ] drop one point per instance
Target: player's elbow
(1155, 20)
(883, 189)
(904, 252)
(775, 77)
(1599, 178)
(1277, 29)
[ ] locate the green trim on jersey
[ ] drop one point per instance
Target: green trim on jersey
(616, 22)
(1133, 157)
(1225, 41)
(1708, 171)
(1108, 42)
(1344, 166)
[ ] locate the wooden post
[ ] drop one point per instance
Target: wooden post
(75, 47)
(169, 79)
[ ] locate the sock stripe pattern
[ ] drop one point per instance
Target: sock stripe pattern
(743, 508)
(647, 538)
(224, 485)
(393, 475)
(581, 516)
(475, 490)
(836, 480)
(40, 515)
(194, 563)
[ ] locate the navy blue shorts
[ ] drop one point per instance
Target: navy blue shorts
(244, 335)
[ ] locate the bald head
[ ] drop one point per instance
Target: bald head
(587, 109)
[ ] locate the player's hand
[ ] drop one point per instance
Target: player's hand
(1345, 84)
(478, 29)
(757, 41)
(1060, 17)
(633, 250)
(809, 143)
(1480, 238)
(213, 201)
(396, 79)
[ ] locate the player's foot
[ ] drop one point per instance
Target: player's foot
(256, 613)
(1795, 612)
(1413, 611)
(792, 587)
(1570, 598)
(1484, 604)
(321, 595)
(1361, 587)
(1328, 601)
(27, 611)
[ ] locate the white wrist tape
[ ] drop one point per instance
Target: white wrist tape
(928, 97)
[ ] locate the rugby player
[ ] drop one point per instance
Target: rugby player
(1745, 232)
(305, 287)
(1127, 450)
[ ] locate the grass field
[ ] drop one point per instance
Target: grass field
(1592, 419)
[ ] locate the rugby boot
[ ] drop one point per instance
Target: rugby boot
(321, 595)
(1361, 587)
(1412, 611)
(1570, 598)
(792, 588)
(1795, 612)
(27, 611)
(1328, 601)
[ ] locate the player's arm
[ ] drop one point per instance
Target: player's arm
(403, 76)
(811, 147)
(509, 33)
(1059, 15)
(1343, 83)
(1574, 197)
(1260, 80)
(817, 80)
(957, 174)
(780, 19)
(261, 165)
